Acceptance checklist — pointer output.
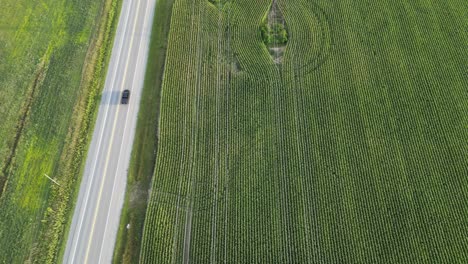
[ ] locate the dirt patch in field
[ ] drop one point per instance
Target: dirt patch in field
(235, 65)
(277, 54)
(138, 195)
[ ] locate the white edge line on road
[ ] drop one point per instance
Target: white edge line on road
(88, 190)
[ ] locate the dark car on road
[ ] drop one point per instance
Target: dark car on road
(125, 97)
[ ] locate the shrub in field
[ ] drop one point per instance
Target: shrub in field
(274, 34)
(219, 3)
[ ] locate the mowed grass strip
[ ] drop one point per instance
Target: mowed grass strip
(54, 56)
(347, 144)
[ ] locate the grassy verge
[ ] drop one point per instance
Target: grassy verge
(141, 169)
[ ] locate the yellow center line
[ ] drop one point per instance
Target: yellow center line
(112, 137)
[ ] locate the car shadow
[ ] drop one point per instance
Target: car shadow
(111, 97)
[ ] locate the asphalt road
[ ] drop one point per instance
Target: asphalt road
(96, 218)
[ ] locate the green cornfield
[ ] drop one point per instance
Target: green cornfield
(312, 131)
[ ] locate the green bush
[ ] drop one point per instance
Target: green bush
(274, 34)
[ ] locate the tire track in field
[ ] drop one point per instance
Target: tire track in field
(184, 135)
(194, 139)
(303, 168)
(226, 165)
(281, 174)
(295, 73)
(326, 40)
(300, 131)
(216, 154)
(301, 144)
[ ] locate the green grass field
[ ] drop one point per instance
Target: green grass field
(345, 143)
(52, 60)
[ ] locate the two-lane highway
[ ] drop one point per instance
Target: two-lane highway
(97, 214)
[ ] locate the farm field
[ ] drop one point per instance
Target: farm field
(52, 60)
(300, 131)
